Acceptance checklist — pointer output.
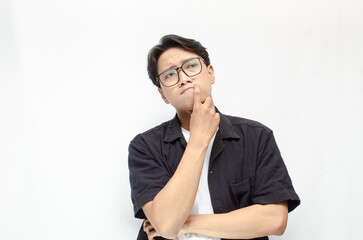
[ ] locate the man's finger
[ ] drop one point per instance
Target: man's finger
(152, 235)
(146, 224)
(209, 102)
(149, 228)
(197, 95)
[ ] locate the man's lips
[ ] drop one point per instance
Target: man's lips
(186, 90)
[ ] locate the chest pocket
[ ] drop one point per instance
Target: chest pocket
(242, 192)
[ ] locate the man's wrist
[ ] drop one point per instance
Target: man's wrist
(198, 143)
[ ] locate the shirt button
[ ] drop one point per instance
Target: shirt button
(211, 172)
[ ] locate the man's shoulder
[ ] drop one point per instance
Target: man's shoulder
(246, 123)
(153, 134)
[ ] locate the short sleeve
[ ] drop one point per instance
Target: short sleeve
(147, 175)
(272, 182)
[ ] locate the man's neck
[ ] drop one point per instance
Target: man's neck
(184, 117)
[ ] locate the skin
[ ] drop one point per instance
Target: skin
(168, 214)
(183, 102)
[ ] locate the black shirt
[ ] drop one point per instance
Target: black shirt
(245, 166)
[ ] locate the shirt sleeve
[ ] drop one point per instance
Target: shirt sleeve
(147, 175)
(272, 181)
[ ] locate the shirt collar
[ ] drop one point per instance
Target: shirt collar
(225, 131)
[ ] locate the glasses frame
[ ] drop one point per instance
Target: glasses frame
(181, 67)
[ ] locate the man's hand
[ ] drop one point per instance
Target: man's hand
(204, 120)
(149, 229)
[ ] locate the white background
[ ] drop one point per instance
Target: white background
(74, 91)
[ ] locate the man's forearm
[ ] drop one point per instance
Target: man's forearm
(245, 223)
(172, 205)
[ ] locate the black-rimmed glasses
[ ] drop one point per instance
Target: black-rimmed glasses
(191, 68)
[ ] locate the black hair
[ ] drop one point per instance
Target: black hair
(169, 41)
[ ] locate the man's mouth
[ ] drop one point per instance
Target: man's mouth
(186, 90)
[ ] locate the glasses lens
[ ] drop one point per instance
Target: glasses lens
(169, 77)
(192, 67)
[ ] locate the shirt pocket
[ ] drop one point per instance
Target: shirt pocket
(242, 192)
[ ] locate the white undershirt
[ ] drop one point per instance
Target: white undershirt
(202, 203)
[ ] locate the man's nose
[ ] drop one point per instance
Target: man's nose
(183, 78)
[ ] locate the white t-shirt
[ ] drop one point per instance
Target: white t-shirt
(202, 203)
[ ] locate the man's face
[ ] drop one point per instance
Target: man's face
(181, 95)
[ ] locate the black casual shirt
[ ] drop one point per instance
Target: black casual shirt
(245, 166)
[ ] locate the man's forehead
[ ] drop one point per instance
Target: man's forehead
(174, 57)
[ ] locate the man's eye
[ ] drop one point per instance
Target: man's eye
(192, 65)
(169, 75)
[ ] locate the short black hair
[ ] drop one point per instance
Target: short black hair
(169, 41)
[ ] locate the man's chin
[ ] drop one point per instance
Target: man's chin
(185, 108)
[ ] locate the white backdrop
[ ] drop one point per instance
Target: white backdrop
(74, 91)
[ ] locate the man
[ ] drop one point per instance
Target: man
(204, 175)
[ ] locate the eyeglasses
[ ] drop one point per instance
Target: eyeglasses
(191, 68)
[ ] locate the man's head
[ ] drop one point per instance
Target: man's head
(176, 56)
(169, 41)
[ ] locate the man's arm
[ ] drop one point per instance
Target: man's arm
(245, 223)
(172, 205)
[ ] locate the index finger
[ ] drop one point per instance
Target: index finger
(197, 95)
(144, 225)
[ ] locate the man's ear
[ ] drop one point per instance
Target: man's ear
(211, 74)
(163, 96)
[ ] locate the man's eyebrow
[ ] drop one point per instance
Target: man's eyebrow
(173, 66)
